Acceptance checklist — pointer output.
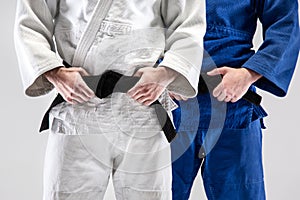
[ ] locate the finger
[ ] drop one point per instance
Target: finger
(139, 88)
(138, 96)
(218, 90)
(81, 90)
(171, 95)
(222, 96)
(69, 99)
(213, 72)
(217, 71)
(144, 99)
(135, 89)
(83, 72)
(148, 102)
(178, 97)
(80, 86)
(228, 98)
(151, 96)
(135, 92)
(65, 95)
(80, 70)
(73, 102)
(235, 99)
(145, 93)
(184, 98)
(86, 90)
(64, 92)
(78, 98)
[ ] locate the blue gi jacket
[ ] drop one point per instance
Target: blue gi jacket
(230, 133)
(229, 39)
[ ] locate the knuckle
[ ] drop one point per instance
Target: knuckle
(91, 94)
(79, 85)
(69, 99)
(69, 96)
(72, 89)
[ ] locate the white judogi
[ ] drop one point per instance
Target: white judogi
(126, 35)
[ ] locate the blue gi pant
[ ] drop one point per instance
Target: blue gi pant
(227, 146)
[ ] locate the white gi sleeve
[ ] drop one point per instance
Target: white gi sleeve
(33, 34)
(186, 26)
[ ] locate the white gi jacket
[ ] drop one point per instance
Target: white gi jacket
(130, 36)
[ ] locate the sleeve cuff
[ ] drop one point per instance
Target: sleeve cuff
(186, 84)
(39, 85)
(268, 82)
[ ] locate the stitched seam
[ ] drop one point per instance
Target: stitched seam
(229, 30)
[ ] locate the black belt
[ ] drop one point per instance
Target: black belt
(104, 86)
(111, 81)
(208, 83)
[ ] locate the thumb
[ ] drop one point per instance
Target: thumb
(83, 72)
(139, 72)
(217, 71)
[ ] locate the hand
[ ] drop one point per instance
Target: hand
(69, 84)
(152, 84)
(235, 83)
(177, 97)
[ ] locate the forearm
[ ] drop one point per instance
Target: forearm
(186, 25)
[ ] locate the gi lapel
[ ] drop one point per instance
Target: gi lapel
(89, 34)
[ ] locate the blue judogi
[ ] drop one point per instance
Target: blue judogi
(225, 139)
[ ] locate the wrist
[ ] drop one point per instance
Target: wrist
(168, 72)
(253, 75)
(52, 73)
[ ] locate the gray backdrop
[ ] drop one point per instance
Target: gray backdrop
(22, 149)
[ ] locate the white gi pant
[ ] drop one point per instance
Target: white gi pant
(115, 135)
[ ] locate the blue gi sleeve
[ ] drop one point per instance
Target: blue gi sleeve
(277, 56)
